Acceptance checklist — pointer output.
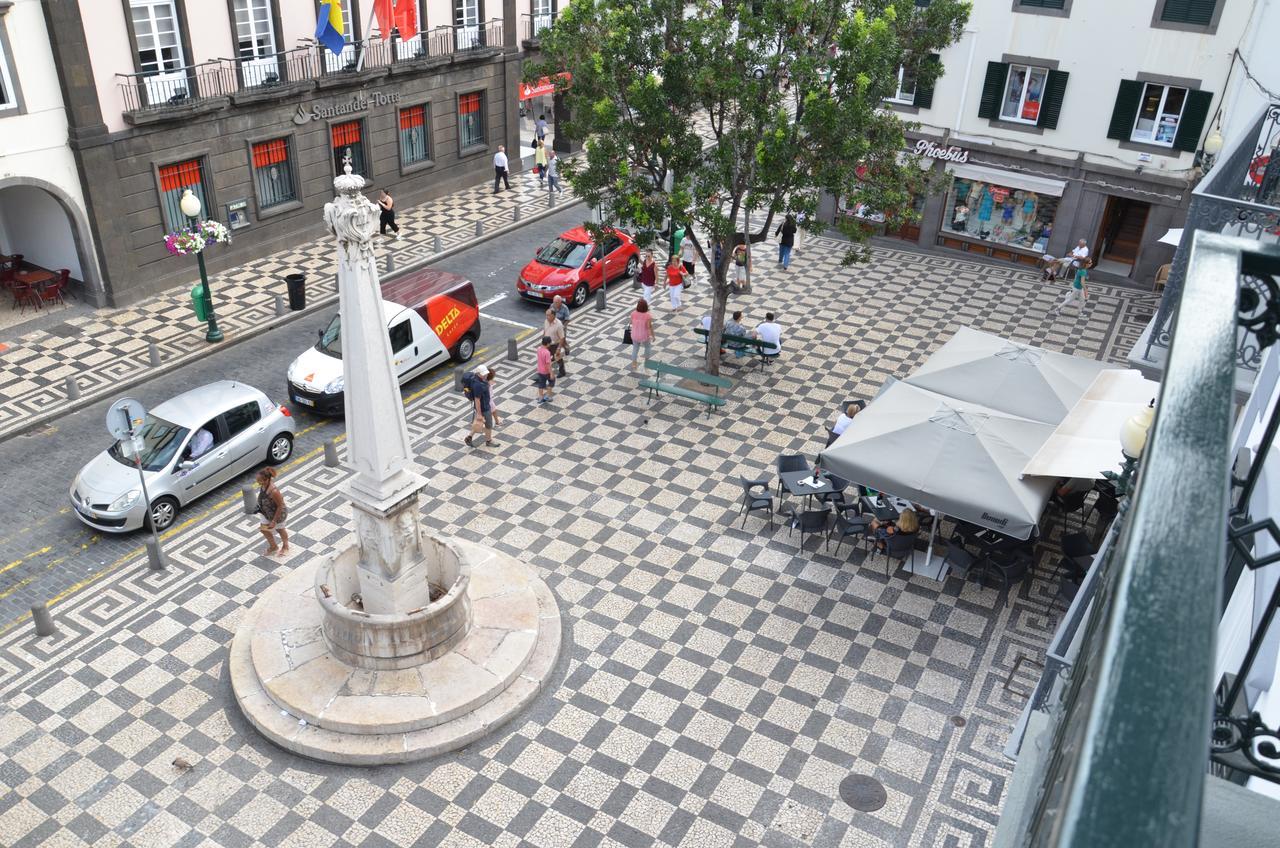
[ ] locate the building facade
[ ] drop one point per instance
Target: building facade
(1057, 120)
(42, 207)
(235, 101)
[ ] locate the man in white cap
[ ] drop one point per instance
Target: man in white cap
(477, 386)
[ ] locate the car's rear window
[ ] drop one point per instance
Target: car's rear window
(563, 253)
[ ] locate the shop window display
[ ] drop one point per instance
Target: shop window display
(1013, 216)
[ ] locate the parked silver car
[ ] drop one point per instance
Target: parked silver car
(190, 445)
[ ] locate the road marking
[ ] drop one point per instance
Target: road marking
(491, 301)
(22, 559)
(509, 321)
(217, 507)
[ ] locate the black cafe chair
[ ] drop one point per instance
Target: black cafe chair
(756, 498)
(857, 527)
(900, 547)
(809, 521)
(790, 462)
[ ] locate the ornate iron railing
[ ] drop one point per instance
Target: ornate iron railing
(532, 26)
(177, 87)
(276, 69)
(1239, 197)
(1133, 727)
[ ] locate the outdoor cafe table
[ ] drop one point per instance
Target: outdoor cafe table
(794, 482)
(881, 507)
(34, 278)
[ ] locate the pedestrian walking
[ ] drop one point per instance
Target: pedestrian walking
(387, 217)
(478, 386)
(544, 379)
(540, 160)
(274, 513)
(553, 173)
(795, 247)
(1079, 289)
(688, 257)
(500, 169)
(540, 127)
(562, 315)
(642, 334)
(648, 276)
(741, 264)
(553, 328)
(787, 230)
(675, 282)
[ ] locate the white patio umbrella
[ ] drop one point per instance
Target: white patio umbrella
(1019, 379)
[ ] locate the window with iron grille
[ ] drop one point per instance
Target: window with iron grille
(273, 173)
(349, 138)
(470, 119)
(175, 179)
(414, 142)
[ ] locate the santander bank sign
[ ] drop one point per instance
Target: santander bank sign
(932, 150)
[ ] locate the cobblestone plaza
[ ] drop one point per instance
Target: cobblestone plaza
(715, 684)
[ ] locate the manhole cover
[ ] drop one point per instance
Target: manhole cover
(62, 328)
(863, 793)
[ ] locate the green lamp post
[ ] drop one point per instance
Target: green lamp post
(190, 205)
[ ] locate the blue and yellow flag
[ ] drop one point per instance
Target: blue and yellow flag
(329, 29)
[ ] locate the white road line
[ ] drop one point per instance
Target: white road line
(508, 321)
(491, 301)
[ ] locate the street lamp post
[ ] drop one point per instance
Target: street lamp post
(190, 205)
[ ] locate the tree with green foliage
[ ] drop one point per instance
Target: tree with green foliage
(710, 111)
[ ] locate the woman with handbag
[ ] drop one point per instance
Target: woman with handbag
(273, 511)
(540, 160)
(640, 332)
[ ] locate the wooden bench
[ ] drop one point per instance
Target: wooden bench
(765, 350)
(656, 385)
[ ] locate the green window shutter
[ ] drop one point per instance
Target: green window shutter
(924, 93)
(1128, 99)
(993, 90)
(1194, 114)
(1043, 4)
(1195, 12)
(1051, 107)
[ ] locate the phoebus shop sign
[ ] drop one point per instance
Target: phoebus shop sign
(932, 150)
(358, 103)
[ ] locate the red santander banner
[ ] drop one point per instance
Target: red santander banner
(544, 86)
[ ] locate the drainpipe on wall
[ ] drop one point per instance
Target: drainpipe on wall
(968, 73)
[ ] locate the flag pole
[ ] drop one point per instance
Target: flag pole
(373, 10)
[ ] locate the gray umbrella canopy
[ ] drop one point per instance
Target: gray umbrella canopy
(1027, 381)
(961, 459)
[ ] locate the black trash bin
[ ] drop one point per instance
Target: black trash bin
(297, 284)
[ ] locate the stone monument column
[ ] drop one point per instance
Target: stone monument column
(392, 570)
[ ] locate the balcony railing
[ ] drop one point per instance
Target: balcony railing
(532, 26)
(176, 88)
(1239, 197)
(1131, 727)
(153, 93)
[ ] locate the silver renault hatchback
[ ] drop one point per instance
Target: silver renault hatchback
(190, 445)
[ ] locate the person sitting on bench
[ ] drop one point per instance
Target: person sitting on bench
(770, 332)
(733, 327)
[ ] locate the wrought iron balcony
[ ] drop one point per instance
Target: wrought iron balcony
(275, 70)
(177, 88)
(1240, 197)
(532, 26)
(1128, 727)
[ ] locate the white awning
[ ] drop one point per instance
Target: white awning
(1009, 179)
(1087, 442)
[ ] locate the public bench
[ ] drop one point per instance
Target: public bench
(661, 368)
(765, 350)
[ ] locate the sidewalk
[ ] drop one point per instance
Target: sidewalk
(107, 351)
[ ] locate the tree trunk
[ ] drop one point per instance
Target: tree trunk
(719, 300)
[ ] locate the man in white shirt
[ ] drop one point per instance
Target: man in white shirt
(770, 332)
(706, 323)
(500, 168)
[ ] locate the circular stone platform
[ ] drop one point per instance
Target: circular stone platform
(300, 696)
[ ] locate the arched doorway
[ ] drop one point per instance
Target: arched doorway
(39, 221)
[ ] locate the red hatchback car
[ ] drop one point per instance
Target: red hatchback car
(573, 266)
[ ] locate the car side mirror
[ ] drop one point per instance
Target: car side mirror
(186, 465)
(320, 334)
(590, 263)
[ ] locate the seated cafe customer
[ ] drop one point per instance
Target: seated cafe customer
(908, 523)
(846, 418)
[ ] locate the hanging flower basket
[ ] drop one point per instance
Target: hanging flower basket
(187, 242)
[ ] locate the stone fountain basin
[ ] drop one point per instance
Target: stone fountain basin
(395, 641)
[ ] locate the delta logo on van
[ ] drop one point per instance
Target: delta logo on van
(450, 318)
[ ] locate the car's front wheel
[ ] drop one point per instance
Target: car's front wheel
(164, 511)
(632, 264)
(580, 294)
(280, 449)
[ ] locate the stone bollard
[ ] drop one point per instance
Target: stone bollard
(437, 246)
(600, 301)
(44, 621)
(153, 355)
(479, 228)
(457, 379)
(515, 213)
(513, 352)
(551, 199)
(156, 560)
(331, 454)
(73, 388)
(279, 305)
(391, 264)
(250, 500)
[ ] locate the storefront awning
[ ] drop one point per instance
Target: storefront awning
(1009, 179)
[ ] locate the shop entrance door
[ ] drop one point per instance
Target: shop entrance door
(1118, 240)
